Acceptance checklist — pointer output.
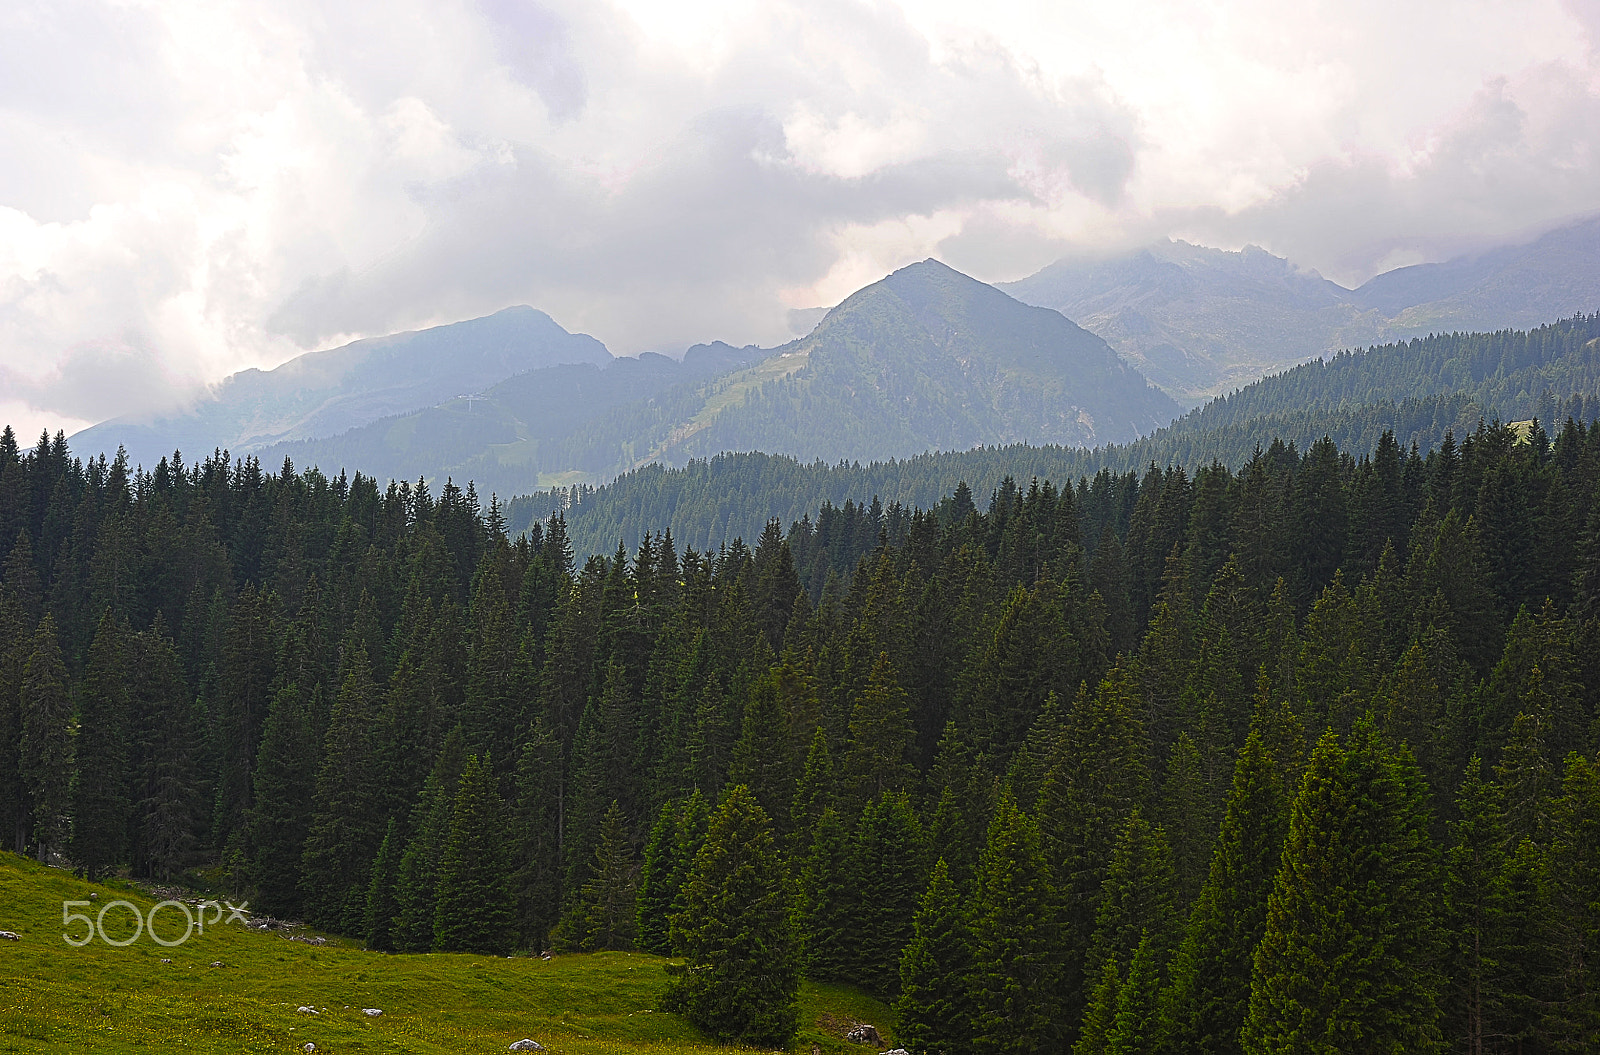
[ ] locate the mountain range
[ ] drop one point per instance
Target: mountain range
(1201, 322)
(926, 359)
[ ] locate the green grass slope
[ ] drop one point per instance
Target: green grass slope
(144, 997)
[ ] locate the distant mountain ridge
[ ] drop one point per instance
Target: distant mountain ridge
(1200, 322)
(925, 359)
(324, 393)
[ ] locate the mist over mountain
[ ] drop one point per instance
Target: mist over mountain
(926, 359)
(1200, 322)
(323, 393)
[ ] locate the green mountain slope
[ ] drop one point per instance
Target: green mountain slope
(927, 359)
(1420, 390)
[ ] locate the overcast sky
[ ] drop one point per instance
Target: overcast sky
(191, 188)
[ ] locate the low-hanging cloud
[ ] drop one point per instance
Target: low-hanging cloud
(195, 189)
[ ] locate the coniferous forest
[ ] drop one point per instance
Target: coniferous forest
(1294, 755)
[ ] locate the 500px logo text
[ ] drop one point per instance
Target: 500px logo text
(192, 920)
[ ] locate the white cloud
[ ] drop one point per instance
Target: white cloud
(194, 187)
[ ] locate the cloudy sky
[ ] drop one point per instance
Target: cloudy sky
(189, 188)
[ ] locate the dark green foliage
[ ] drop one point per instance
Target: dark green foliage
(102, 786)
(887, 874)
(1015, 941)
(933, 1012)
(1211, 971)
(1136, 1029)
(347, 822)
(1137, 901)
(382, 907)
(609, 910)
(474, 911)
(1476, 1007)
(1348, 958)
(285, 776)
(657, 888)
(416, 890)
(877, 758)
(736, 932)
(536, 842)
(45, 744)
(826, 900)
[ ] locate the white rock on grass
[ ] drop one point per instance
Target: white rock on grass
(308, 1010)
(308, 1046)
(527, 1045)
(372, 1012)
(9, 935)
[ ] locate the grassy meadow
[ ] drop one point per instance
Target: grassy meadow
(144, 997)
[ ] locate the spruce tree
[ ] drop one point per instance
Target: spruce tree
(416, 890)
(610, 911)
(1210, 988)
(887, 876)
(536, 824)
(285, 776)
(1476, 898)
(1348, 957)
(826, 901)
(1137, 900)
(736, 931)
(346, 820)
(1571, 1016)
(1016, 948)
(474, 911)
(102, 784)
(656, 889)
(813, 794)
(1136, 1028)
(881, 738)
(933, 1011)
(382, 908)
(1100, 1012)
(46, 742)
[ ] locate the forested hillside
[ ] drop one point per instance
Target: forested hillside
(1155, 761)
(1420, 390)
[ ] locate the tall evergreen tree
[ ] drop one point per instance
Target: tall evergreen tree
(416, 890)
(382, 908)
(1210, 988)
(881, 737)
(46, 742)
(1136, 1029)
(1476, 875)
(1348, 958)
(933, 1011)
(102, 784)
(1016, 948)
(474, 912)
(285, 777)
(737, 933)
(610, 912)
(887, 876)
(347, 824)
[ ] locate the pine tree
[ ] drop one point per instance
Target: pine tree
(657, 890)
(346, 819)
(736, 931)
(1136, 1029)
(474, 911)
(609, 896)
(881, 737)
(1348, 957)
(102, 784)
(933, 1011)
(1100, 1013)
(285, 776)
(1476, 899)
(887, 876)
(1210, 988)
(169, 807)
(46, 742)
(761, 759)
(1015, 941)
(416, 890)
(382, 908)
(536, 841)
(826, 900)
(813, 794)
(1188, 817)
